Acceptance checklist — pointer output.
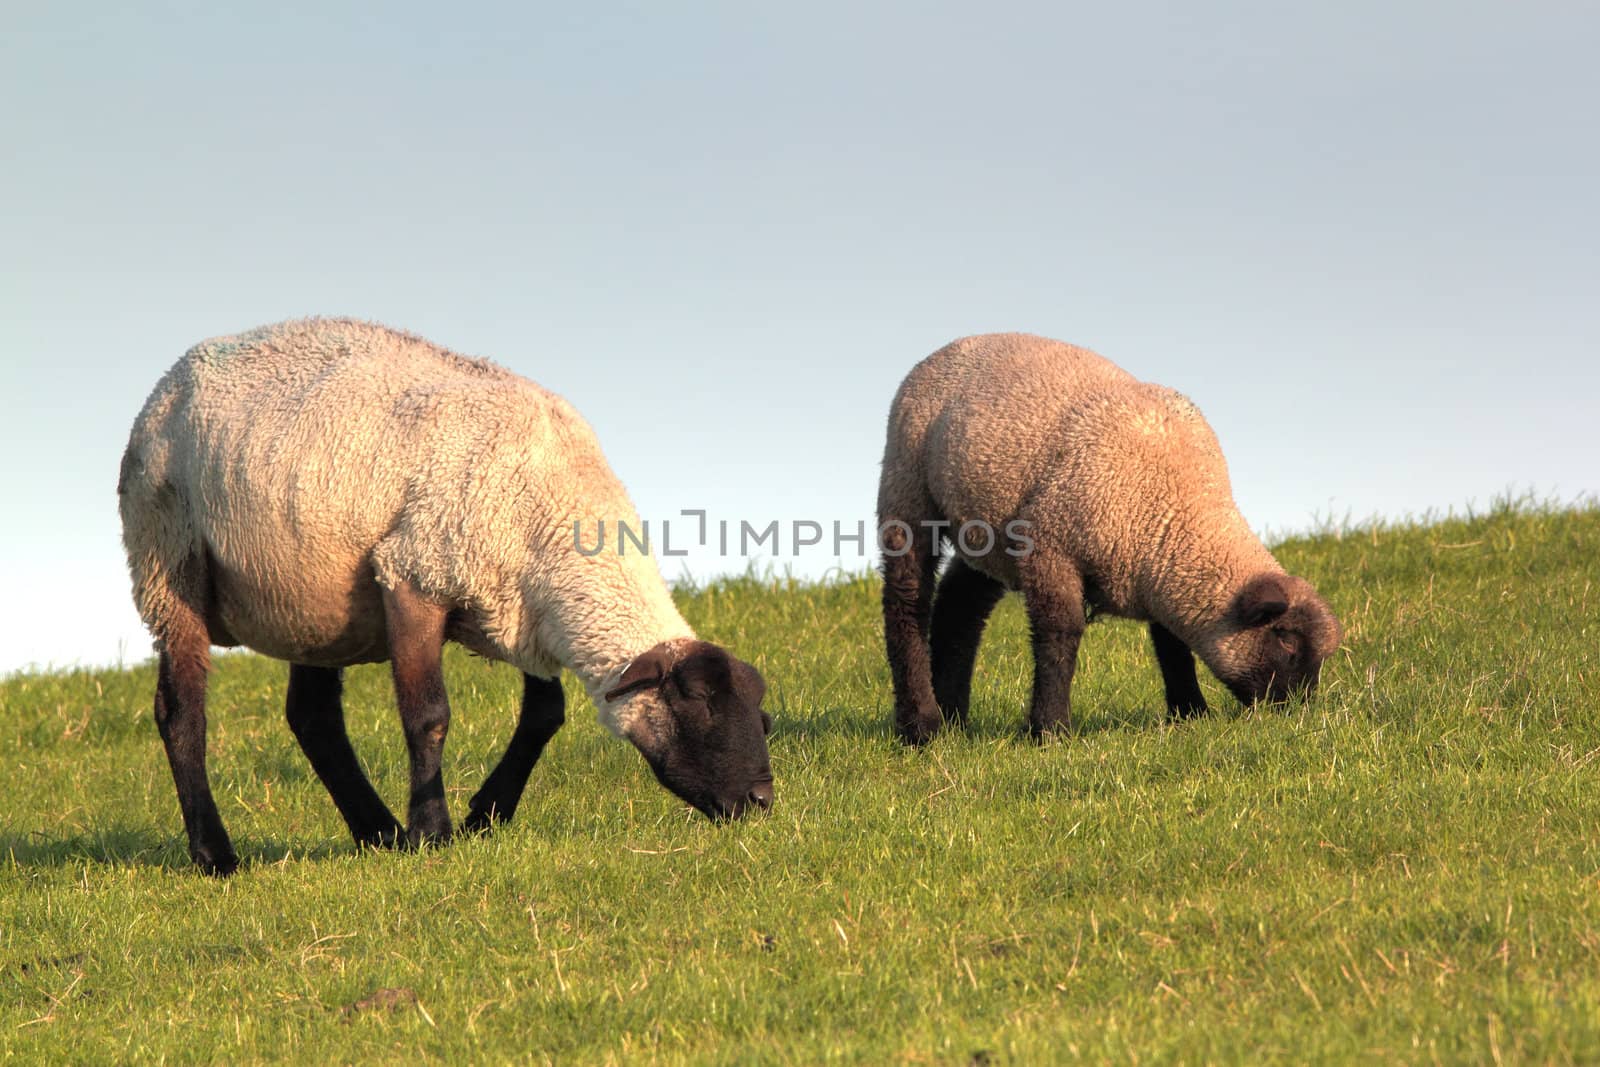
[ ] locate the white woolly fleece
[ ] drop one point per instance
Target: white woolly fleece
(1122, 478)
(295, 468)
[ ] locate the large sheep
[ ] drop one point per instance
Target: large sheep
(1100, 493)
(331, 492)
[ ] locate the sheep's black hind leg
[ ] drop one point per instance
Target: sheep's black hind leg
(908, 566)
(1054, 601)
(316, 716)
(1184, 698)
(180, 708)
(961, 609)
(543, 712)
(416, 654)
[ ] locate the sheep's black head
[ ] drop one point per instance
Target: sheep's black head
(1281, 631)
(705, 735)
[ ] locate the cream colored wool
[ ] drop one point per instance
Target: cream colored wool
(1120, 479)
(300, 466)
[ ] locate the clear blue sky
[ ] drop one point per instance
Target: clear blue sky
(1363, 237)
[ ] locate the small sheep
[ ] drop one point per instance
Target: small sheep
(1100, 493)
(331, 492)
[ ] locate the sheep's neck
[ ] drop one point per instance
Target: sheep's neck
(1194, 579)
(626, 611)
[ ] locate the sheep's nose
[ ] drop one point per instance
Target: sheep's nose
(761, 795)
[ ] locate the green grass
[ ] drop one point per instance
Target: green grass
(1406, 868)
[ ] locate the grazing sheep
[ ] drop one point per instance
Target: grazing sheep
(331, 492)
(1112, 495)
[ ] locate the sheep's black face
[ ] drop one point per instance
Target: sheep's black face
(1286, 631)
(714, 754)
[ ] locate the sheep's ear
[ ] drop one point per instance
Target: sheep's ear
(1264, 599)
(703, 672)
(645, 672)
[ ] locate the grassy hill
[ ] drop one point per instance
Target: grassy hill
(1406, 867)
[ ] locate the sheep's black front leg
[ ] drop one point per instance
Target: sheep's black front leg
(961, 609)
(543, 712)
(1184, 698)
(180, 708)
(1054, 601)
(416, 653)
(315, 712)
(908, 566)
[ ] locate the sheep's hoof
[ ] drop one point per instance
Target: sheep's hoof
(918, 730)
(1048, 730)
(1182, 712)
(480, 821)
(953, 713)
(218, 863)
(391, 836)
(418, 837)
